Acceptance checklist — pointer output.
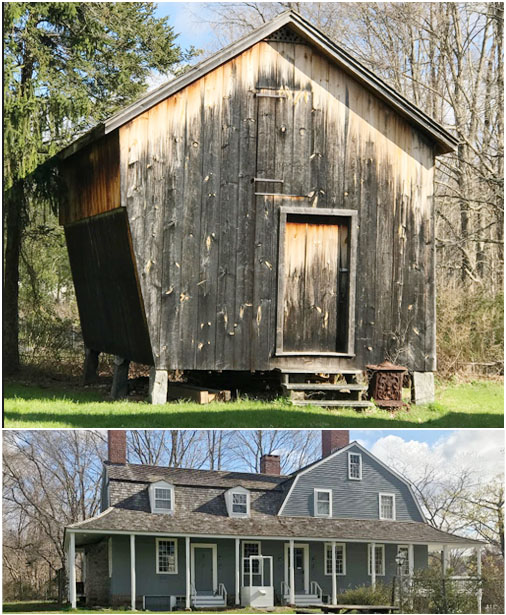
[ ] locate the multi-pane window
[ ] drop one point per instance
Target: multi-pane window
(166, 556)
(405, 566)
(387, 506)
(380, 559)
(323, 502)
(340, 559)
(240, 503)
(251, 548)
(355, 466)
(163, 499)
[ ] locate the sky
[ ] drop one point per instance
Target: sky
(184, 17)
(481, 450)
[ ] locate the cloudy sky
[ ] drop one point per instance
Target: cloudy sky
(481, 450)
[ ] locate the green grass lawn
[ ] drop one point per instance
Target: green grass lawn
(474, 404)
(52, 607)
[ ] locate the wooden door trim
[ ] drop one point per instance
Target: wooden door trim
(351, 214)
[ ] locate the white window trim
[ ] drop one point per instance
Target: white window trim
(161, 485)
(377, 546)
(326, 547)
(359, 455)
(388, 495)
(249, 542)
(166, 539)
(229, 500)
(315, 502)
(109, 555)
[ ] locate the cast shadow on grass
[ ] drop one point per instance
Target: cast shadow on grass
(245, 417)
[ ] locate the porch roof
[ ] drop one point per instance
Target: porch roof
(268, 526)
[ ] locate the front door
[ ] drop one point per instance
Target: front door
(301, 567)
(203, 565)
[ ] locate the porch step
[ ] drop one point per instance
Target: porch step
(214, 602)
(304, 599)
(333, 403)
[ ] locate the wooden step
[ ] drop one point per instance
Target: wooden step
(350, 371)
(323, 386)
(341, 403)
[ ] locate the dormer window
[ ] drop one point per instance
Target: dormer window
(238, 502)
(354, 466)
(387, 506)
(323, 502)
(161, 497)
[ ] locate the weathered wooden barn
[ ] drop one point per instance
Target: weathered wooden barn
(270, 209)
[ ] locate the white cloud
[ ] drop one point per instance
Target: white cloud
(481, 451)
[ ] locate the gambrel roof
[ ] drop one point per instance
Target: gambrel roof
(200, 508)
(444, 141)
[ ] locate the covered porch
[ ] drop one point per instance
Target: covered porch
(158, 571)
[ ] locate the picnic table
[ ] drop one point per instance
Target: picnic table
(348, 608)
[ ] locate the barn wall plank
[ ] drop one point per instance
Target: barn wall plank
(92, 179)
(214, 258)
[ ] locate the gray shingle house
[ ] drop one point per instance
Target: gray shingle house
(198, 538)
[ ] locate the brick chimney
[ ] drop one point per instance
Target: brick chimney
(270, 464)
(116, 439)
(333, 439)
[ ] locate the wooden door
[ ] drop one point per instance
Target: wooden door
(315, 251)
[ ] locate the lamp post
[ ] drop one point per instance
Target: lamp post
(400, 560)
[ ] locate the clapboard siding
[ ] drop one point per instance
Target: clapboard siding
(92, 180)
(351, 499)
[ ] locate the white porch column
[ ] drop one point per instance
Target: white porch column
(72, 571)
(132, 572)
(188, 580)
(334, 578)
(445, 560)
(479, 595)
(411, 561)
(373, 564)
(292, 573)
(238, 567)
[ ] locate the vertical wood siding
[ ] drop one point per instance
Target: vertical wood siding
(107, 290)
(351, 499)
(92, 180)
(206, 244)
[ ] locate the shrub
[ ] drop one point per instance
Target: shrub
(365, 594)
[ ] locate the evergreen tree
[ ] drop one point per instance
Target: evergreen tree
(67, 66)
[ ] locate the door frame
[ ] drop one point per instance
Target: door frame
(351, 214)
(305, 547)
(214, 549)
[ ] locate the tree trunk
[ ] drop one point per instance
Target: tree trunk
(10, 327)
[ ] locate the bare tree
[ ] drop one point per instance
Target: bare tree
(296, 448)
(50, 479)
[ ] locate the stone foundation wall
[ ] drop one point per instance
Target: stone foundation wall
(97, 583)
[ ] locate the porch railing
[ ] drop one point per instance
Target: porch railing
(222, 591)
(316, 590)
(285, 588)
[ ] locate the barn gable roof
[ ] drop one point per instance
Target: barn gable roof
(445, 142)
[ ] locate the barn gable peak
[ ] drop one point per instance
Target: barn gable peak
(293, 26)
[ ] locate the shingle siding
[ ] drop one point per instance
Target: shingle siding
(351, 499)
